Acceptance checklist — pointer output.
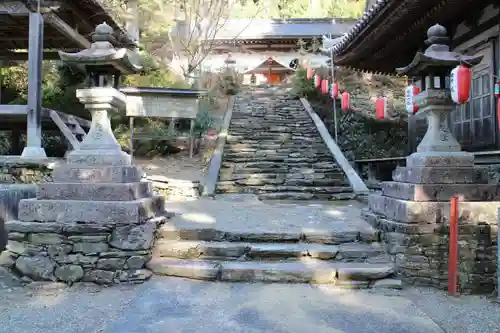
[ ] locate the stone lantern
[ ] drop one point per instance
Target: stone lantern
(99, 213)
(104, 65)
(413, 210)
(433, 67)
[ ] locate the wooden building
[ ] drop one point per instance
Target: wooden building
(473, 27)
(269, 50)
(35, 30)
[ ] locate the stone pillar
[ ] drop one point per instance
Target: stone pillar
(413, 209)
(34, 149)
(96, 221)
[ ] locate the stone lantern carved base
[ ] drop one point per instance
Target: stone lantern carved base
(100, 146)
(96, 221)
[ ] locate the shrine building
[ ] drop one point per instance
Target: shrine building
(474, 29)
(268, 51)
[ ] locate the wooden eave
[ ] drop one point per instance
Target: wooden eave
(392, 31)
(68, 24)
(260, 41)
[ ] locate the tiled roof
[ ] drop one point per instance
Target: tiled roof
(360, 25)
(279, 28)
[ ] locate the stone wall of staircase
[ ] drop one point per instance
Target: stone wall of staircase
(275, 151)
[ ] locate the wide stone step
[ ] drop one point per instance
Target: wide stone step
(231, 187)
(280, 170)
(252, 251)
(190, 232)
(318, 166)
(266, 179)
(284, 159)
(255, 144)
(296, 271)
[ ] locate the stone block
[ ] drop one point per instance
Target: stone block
(100, 212)
(95, 192)
(441, 192)
(440, 175)
(440, 159)
(98, 157)
(99, 276)
(69, 173)
(37, 267)
(133, 237)
(32, 227)
(69, 273)
(90, 248)
(469, 212)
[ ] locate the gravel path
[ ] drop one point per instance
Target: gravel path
(176, 305)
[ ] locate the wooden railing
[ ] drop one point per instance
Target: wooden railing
(375, 170)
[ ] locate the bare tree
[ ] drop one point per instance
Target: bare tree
(193, 38)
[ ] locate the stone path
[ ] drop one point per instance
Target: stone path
(274, 150)
(245, 212)
(182, 306)
(239, 238)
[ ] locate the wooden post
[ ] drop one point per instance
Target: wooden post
(191, 138)
(131, 122)
(34, 147)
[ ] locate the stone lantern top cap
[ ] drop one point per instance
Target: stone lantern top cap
(437, 30)
(103, 54)
(437, 59)
(103, 33)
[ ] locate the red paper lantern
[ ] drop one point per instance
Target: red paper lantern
(335, 90)
(497, 89)
(460, 79)
(381, 107)
(324, 87)
(310, 73)
(416, 91)
(345, 102)
(317, 81)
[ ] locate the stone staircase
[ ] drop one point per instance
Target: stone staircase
(275, 151)
(257, 242)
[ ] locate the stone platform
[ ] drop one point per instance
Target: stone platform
(93, 224)
(413, 214)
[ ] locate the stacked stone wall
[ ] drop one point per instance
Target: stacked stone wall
(420, 252)
(100, 253)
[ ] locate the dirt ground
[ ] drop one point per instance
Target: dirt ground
(180, 166)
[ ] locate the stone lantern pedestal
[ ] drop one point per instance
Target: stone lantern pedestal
(413, 210)
(96, 221)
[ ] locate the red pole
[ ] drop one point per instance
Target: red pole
(453, 247)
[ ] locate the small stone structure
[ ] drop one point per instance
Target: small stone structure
(96, 221)
(413, 209)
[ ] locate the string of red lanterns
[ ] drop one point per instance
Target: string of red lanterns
(460, 85)
(326, 87)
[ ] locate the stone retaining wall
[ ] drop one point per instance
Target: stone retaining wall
(100, 253)
(420, 252)
(18, 172)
